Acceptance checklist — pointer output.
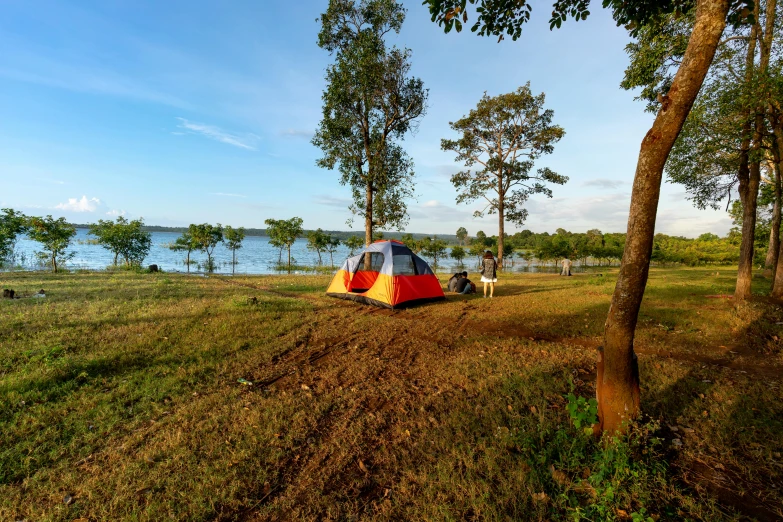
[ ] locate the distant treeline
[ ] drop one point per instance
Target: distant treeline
(339, 234)
(596, 247)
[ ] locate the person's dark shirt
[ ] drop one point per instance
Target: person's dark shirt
(462, 283)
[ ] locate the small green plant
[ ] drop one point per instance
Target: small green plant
(583, 412)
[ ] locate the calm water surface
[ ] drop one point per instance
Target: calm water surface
(256, 256)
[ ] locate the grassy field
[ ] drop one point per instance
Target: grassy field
(170, 397)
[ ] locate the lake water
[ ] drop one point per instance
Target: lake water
(256, 256)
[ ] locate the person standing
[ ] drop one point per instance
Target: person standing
(566, 267)
(489, 273)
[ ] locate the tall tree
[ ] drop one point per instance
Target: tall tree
(12, 225)
(284, 232)
(234, 238)
(55, 236)
(617, 384)
(370, 103)
(722, 144)
(503, 137)
(206, 238)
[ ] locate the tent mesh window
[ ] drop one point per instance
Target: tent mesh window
(403, 265)
(376, 262)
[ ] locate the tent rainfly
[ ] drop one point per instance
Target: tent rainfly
(386, 274)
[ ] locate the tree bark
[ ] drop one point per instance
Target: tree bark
(777, 285)
(617, 386)
(771, 262)
(501, 222)
(749, 190)
(368, 213)
(749, 176)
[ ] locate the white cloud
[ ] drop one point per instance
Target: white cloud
(603, 183)
(298, 133)
(228, 194)
(331, 201)
(116, 212)
(80, 205)
(434, 211)
(243, 141)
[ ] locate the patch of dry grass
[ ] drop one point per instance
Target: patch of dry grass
(119, 399)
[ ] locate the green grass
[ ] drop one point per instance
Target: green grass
(120, 400)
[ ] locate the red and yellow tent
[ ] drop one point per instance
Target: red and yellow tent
(386, 274)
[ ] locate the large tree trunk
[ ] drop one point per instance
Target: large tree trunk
(501, 222)
(777, 285)
(749, 175)
(771, 262)
(617, 386)
(368, 214)
(749, 190)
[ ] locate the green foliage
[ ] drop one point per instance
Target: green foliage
(458, 254)
(184, 243)
(434, 249)
(370, 103)
(124, 239)
(507, 17)
(462, 235)
(206, 237)
(331, 245)
(583, 412)
(12, 225)
(414, 244)
(317, 241)
(283, 233)
(55, 236)
(503, 137)
(233, 238)
(353, 243)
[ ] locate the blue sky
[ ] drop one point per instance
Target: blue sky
(202, 111)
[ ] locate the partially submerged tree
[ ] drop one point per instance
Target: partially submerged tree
(284, 232)
(233, 238)
(434, 248)
(124, 239)
(206, 238)
(617, 386)
(370, 103)
(55, 236)
(317, 241)
(462, 235)
(330, 246)
(184, 243)
(458, 254)
(502, 138)
(12, 225)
